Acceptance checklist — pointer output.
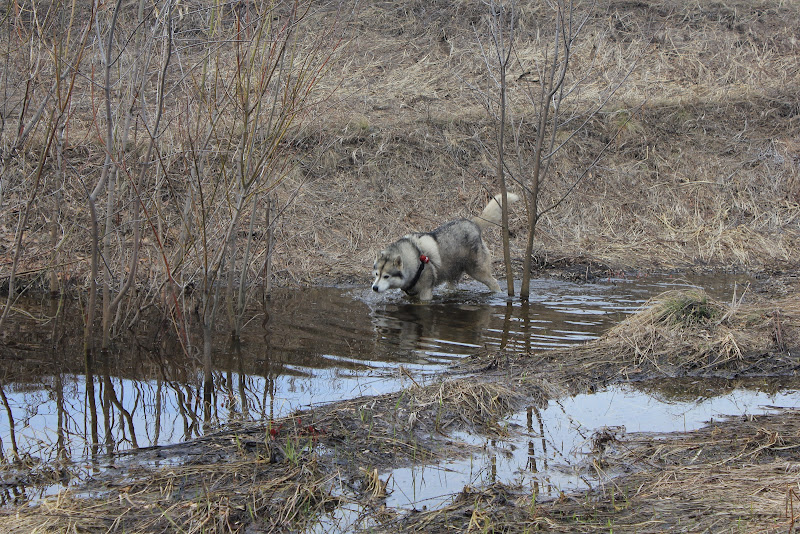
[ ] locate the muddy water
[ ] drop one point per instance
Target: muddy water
(304, 348)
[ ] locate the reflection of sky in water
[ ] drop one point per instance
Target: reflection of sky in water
(321, 345)
(36, 414)
(348, 354)
(557, 453)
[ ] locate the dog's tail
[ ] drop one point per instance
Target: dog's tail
(492, 213)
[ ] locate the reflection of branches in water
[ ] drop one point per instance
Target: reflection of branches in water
(11, 432)
(126, 407)
(89, 373)
(147, 392)
(61, 450)
(110, 393)
(70, 415)
(564, 456)
(269, 389)
(506, 325)
(158, 407)
(531, 465)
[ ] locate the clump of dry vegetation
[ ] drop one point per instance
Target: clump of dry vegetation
(688, 332)
(680, 328)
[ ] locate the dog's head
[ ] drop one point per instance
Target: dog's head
(388, 272)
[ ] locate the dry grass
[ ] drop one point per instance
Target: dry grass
(688, 332)
(219, 496)
(705, 173)
(679, 328)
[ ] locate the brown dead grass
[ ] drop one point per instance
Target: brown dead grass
(706, 173)
(693, 333)
(220, 494)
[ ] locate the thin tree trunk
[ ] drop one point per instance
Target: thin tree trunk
(243, 285)
(533, 205)
(101, 184)
(502, 177)
(56, 214)
(267, 274)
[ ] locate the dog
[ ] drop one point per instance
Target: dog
(418, 262)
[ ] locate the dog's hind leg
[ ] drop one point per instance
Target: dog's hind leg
(482, 272)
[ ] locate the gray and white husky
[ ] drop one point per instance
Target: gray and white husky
(419, 262)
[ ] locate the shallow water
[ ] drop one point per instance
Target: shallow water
(550, 450)
(309, 346)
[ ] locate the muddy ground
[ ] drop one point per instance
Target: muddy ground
(735, 474)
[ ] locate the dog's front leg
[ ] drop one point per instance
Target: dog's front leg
(425, 295)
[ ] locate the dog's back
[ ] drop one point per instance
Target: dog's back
(460, 246)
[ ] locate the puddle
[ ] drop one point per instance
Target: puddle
(312, 346)
(550, 450)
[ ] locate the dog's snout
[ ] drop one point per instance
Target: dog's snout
(375, 288)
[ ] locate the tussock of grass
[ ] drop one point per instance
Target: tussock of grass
(683, 329)
(475, 404)
(683, 309)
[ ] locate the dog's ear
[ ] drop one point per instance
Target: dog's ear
(398, 262)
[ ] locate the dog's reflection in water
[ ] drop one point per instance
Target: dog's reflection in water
(438, 328)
